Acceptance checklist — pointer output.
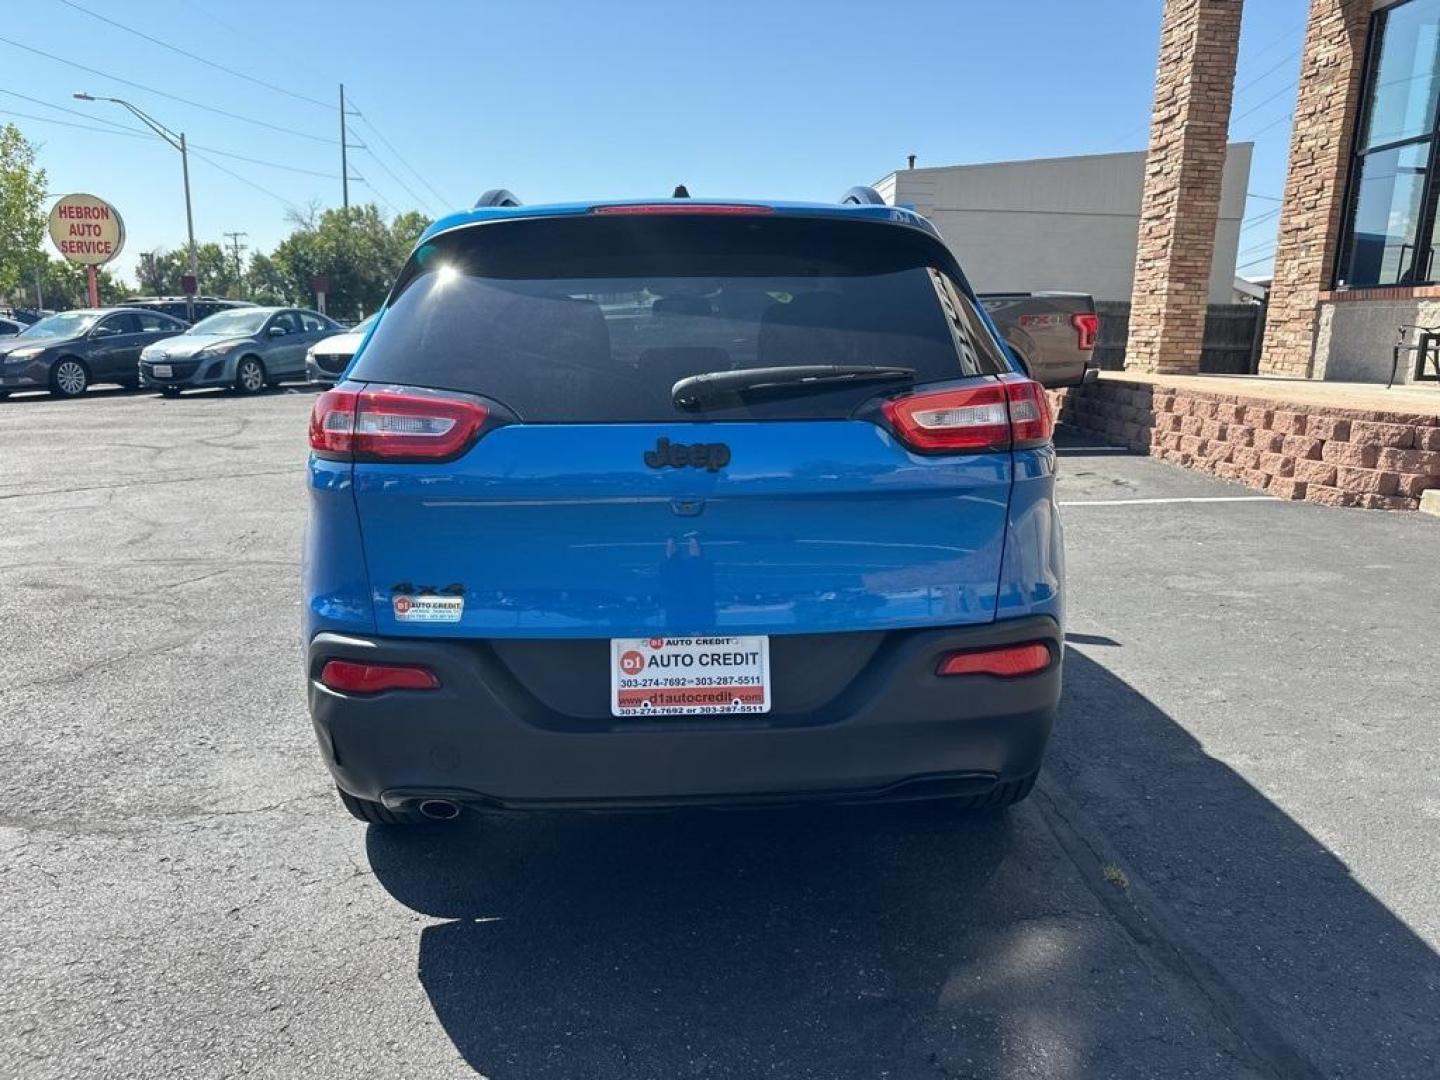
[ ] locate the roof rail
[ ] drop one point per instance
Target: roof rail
(862, 196)
(497, 197)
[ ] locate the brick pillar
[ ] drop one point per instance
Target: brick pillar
(1327, 108)
(1180, 204)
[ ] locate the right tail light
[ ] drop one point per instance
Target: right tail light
(1010, 413)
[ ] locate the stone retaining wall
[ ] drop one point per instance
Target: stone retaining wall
(1323, 454)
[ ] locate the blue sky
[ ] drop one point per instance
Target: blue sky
(560, 100)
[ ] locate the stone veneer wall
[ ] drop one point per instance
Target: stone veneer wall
(1327, 109)
(1334, 456)
(1180, 203)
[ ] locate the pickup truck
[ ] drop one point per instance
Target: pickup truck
(1053, 333)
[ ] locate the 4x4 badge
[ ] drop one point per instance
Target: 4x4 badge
(667, 455)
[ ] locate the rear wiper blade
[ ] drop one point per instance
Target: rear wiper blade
(711, 387)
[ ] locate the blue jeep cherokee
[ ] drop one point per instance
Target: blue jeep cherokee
(674, 503)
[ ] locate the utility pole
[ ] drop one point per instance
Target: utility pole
(344, 161)
(236, 247)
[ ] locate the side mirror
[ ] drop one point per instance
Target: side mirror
(278, 331)
(103, 331)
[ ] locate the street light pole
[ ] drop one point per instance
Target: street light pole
(178, 142)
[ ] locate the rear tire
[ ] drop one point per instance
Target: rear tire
(69, 378)
(374, 813)
(1001, 795)
(249, 375)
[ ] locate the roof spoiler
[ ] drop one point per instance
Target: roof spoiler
(497, 197)
(862, 196)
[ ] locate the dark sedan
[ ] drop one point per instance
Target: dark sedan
(68, 352)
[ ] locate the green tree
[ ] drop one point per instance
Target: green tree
(22, 196)
(162, 272)
(358, 250)
(63, 286)
(266, 283)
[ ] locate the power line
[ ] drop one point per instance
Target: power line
(398, 156)
(1256, 262)
(1267, 198)
(1273, 123)
(1265, 245)
(1260, 219)
(72, 124)
(165, 94)
(125, 129)
(1238, 90)
(1280, 39)
(389, 205)
(1287, 88)
(193, 56)
(262, 161)
(146, 135)
(73, 112)
(245, 180)
(419, 202)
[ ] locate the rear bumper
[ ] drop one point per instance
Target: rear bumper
(896, 731)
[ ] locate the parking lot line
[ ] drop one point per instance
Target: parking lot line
(1175, 499)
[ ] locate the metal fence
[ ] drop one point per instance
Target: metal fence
(1232, 337)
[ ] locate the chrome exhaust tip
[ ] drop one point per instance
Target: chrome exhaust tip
(439, 809)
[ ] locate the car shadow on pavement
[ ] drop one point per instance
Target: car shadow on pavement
(915, 942)
(1261, 914)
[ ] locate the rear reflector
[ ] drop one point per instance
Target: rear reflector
(1007, 662)
(392, 424)
(351, 677)
(682, 207)
(1087, 329)
(1009, 412)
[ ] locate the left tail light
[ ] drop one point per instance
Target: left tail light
(354, 677)
(393, 424)
(1087, 329)
(1009, 413)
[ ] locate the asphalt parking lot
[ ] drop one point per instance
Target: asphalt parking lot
(1231, 867)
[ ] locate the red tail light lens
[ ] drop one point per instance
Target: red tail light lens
(393, 425)
(1007, 662)
(952, 420)
(1011, 411)
(1087, 329)
(1030, 421)
(352, 677)
(683, 207)
(332, 424)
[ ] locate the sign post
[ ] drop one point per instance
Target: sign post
(88, 231)
(321, 284)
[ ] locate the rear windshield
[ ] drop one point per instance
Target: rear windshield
(595, 318)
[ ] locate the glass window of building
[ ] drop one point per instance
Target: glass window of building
(1390, 227)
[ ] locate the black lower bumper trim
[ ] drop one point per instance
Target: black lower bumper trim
(897, 731)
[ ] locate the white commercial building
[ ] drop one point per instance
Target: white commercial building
(1066, 223)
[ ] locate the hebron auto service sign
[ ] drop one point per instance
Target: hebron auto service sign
(86, 229)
